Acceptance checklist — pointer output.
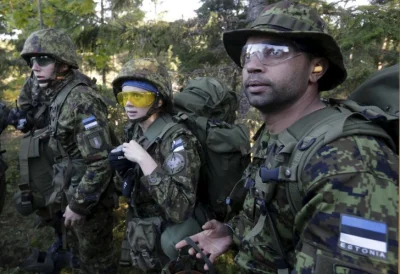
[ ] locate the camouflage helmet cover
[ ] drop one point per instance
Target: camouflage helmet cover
(147, 69)
(51, 42)
(293, 21)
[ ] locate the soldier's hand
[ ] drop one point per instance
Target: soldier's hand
(72, 218)
(214, 240)
(16, 118)
(133, 151)
(118, 161)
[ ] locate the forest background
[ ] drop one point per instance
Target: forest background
(107, 33)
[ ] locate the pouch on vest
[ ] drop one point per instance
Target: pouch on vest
(35, 160)
(67, 178)
(143, 236)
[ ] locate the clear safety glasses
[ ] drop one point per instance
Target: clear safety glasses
(137, 99)
(41, 61)
(268, 54)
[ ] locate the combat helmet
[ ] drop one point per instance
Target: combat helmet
(294, 21)
(52, 42)
(145, 69)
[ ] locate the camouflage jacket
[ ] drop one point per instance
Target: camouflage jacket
(32, 98)
(351, 190)
(170, 190)
(83, 133)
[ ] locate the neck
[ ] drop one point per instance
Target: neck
(278, 121)
(147, 123)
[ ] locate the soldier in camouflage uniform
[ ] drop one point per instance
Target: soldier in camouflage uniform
(347, 220)
(162, 174)
(79, 141)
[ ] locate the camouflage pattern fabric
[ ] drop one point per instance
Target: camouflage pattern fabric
(169, 191)
(32, 98)
(355, 177)
(296, 22)
(52, 42)
(90, 144)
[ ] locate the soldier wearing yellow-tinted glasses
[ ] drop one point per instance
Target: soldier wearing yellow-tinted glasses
(160, 174)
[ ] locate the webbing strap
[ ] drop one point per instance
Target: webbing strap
(257, 228)
(284, 21)
(41, 110)
(210, 265)
(23, 162)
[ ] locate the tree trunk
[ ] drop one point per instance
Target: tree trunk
(40, 14)
(103, 70)
(255, 8)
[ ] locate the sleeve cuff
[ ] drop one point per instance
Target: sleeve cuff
(153, 179)
(78, 209)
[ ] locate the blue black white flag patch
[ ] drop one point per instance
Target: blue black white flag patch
(363, 236)
(89, 122)
(177, 145)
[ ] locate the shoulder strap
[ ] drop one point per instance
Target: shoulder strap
(161, 127)
(336, 123)
(58, 102)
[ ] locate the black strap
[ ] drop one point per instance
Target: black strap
(210, 265)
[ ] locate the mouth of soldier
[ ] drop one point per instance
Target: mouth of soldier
(132, 112)
(256, 87)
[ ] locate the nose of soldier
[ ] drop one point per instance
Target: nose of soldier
(35, 66)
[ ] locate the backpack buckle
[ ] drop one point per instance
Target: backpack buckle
(262, 204)
(306, 142)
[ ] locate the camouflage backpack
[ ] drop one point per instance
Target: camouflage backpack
(343, 118)
(207, 108)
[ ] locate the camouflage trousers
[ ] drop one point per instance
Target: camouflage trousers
(92, 241)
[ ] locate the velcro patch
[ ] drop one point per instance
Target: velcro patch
(174, 163)
(95, 141)
(89, 122)
(363, 236)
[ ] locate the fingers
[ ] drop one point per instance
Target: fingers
(210, 224)
(67, 222)
(183, 243)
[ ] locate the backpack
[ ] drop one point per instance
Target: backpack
(207, 108)
(381, 90)
(362, 114)
(343, 118)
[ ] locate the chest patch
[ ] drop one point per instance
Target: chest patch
(174, 163)
(363, 236)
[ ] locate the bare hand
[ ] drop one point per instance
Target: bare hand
(214, 240)
(72, 218)
(133, 151)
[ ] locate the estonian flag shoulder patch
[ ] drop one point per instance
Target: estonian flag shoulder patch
(89, 122)
(363, 236)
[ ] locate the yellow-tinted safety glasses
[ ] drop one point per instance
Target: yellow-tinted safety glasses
(137, 99)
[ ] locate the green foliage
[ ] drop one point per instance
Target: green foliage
(117, 32)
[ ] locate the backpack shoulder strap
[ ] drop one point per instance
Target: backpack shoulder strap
(58, 101)
(163, 126)
(336, 122)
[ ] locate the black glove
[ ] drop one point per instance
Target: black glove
(118, 161)
(128, 183)
(17, 118)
